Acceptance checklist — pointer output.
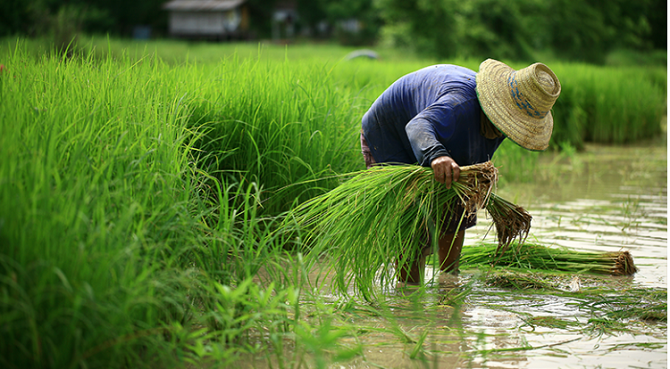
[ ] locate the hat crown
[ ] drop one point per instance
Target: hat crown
(546, 82)
(534, 89)
(519, 102)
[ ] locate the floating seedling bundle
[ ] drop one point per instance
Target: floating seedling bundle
(538, 257)
(387, 215)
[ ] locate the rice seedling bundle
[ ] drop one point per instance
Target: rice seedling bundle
(534, 256)
(383, 217)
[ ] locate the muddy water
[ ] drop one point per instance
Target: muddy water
(605, 199)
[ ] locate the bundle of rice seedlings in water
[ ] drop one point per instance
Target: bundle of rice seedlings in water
(382, 218)
(538, 257)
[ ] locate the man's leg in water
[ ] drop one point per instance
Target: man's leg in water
(449, 253)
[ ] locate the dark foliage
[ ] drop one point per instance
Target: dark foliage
(504, 29)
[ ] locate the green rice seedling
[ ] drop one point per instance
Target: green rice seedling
(93, 198)
(537, 257)
(608, 105)
(636, 303)
(548, 322)
(113, 245)
(384, 215)
(287, 126)
(519, 281)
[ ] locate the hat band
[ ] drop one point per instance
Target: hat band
(521, 102)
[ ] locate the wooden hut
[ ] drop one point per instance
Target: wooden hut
(208, 19)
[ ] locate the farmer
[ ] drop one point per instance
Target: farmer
(445, 116)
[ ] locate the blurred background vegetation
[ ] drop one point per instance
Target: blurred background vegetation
(600, 32)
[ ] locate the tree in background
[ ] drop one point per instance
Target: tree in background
(312, 12)
(260, 15)
(508, 29)
(584, 30)
(588, 30)
(658, 20)
(426, 26)
(39, 17)
(57, 21)
(14, 17)
(126, 14)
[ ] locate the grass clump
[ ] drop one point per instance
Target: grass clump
(608, 105)
(116, 248)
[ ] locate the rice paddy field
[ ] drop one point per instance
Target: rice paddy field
(144, 192)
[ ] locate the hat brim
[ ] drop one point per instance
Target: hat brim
(494, 96)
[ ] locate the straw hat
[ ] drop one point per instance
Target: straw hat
(519, 102)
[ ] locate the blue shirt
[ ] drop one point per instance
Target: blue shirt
(426, 114)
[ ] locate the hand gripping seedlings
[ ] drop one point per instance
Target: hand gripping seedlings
(362, 225)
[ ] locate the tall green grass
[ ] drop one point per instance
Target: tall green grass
(608, 105)
(92, 192)
(291, 126)
(116, 247)
(276, 124)
(317, 106)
